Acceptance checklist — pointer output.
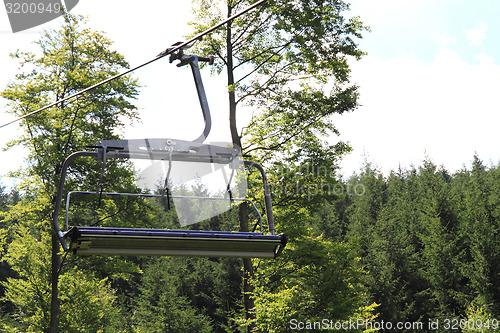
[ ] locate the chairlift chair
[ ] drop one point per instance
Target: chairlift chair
(90, 240)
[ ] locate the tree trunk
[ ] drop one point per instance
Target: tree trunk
(248, 302)
(230, 85)
(54, 301)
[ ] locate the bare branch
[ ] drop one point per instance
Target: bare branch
(290, 137)
(238, 45)
(267, 84)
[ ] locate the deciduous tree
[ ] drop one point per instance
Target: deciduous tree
(68, 60)
(289, 60)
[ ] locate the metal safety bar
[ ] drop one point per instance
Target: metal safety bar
(145, 195)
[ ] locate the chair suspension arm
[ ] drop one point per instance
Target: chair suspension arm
(59, 195)
(267, 195)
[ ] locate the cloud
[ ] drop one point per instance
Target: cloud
(477, 34)
(443, 40)
(447, 109)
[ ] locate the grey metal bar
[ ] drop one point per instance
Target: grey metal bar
(203, 99)
(59, 195)
(267, 195)
(143, 195)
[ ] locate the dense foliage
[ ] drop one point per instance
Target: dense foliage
(289, 60)
(428, 240)
(69, 59)
(416, 245)
(423, 244)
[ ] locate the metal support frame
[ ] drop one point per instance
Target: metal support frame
(144, 195)
(202, 97)
(267, 195)
(59, 195)
(193, 60)
(119, 152)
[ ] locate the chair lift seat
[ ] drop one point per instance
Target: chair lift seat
(133, 241)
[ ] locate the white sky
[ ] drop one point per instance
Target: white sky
(428, 84)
